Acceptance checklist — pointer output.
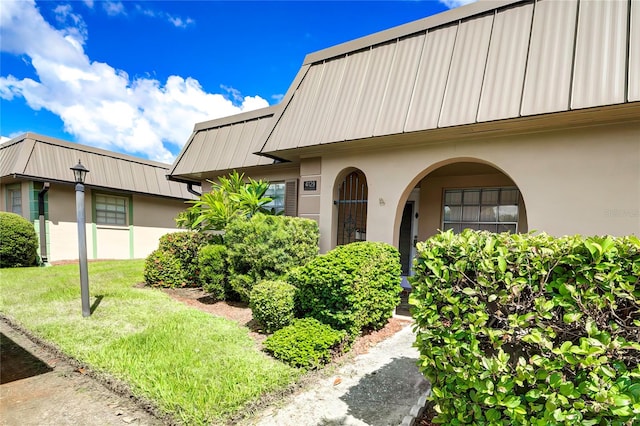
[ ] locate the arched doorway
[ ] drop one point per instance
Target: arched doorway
(457, 194)
(352, 196)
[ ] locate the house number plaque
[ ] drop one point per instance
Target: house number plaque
(310, 185)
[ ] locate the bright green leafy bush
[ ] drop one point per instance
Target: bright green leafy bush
(162, 269)
(352, 287)
(18, 241)
(213, 268)
(273, 304)
(266, 247)
(529, 329)
(306, 343)
(180, 252)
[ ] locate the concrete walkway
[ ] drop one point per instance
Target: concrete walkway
(376, 389)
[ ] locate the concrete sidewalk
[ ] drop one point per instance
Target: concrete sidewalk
(376, 389)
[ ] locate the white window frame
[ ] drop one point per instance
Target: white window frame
(11, 206)
(277, 192)
(495, 209)
(111, 210)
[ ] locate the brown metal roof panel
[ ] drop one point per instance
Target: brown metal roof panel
(634, 53)
(504, 76)
(243, 155)
(310, 91)
(264, 126)
(462, 94)
(125, 170)
(431, 80)
(600, 59)
(356, 67)
(230, 147)
(401, 83)
(315, 131)
(109, 172)
(193, 160)
(8, 158)
(287, 132)
(150, 178)
(548, 76)
(209, 151)
(372, 95)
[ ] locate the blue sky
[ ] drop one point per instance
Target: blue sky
(135, 76)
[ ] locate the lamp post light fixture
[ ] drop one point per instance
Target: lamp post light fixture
(79, 173)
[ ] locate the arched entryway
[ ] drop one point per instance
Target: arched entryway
(457, 194)
(351, 197)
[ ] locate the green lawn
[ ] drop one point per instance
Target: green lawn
(201, 368)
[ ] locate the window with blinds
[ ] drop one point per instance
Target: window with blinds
(489, 209)
(111, 210)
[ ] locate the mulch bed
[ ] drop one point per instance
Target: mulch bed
(241, 313)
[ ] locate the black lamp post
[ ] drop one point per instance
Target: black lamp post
(79, 173)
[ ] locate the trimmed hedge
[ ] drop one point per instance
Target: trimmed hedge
(529, 329)
(272, 304)
(306, 343)
(266, 247)
(175, 263)
(213, 267)
(18, 241)
(352, 287)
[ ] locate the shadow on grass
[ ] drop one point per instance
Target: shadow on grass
(96, 303)
(17, 363)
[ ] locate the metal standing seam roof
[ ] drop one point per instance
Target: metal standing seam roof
(42, 158)
(225, 144)
(486, 61)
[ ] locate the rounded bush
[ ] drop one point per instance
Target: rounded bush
(352, 287)
(273, 304)
(213, 266)
(306, 343)
(163, 269)
(267, 247)
(18, 241)
(184, 247)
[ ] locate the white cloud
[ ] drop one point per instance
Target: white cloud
(102, 106)
(3, 139)
(451, 4)
(114, 8)
(176, 21)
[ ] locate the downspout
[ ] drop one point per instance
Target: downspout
(191, 190)
(43, 226)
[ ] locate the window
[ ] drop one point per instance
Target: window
(14, 199)
(489, 209)
(111, 210)
(276, 192)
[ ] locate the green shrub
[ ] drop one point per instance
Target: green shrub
(306, 343)
(266, 247)
(18, 241)
(180, 252)
(352, 287)
(213, 267)
(163, 269)
(272, 304)
(530, 329)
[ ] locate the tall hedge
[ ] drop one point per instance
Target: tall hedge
(267, 247)
(18, 241)
(530, 329)
(352, 287)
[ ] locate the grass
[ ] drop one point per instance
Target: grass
(200, 368)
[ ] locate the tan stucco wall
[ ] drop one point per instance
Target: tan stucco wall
(152, 218)
(581, 180)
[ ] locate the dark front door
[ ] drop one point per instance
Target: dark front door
(406, 241)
